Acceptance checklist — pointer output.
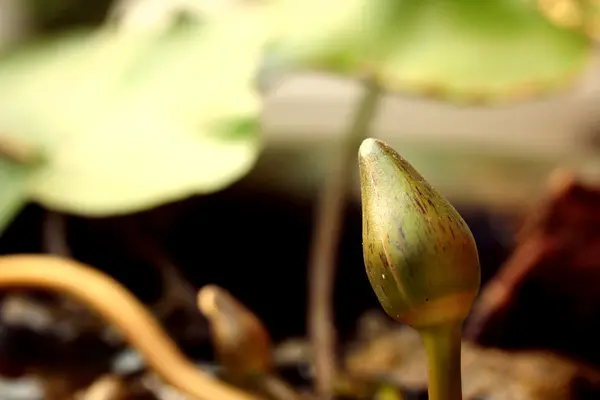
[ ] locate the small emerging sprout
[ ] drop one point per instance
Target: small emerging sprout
(242, 343)
(420, 257)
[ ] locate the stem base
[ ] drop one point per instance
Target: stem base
(443, 349)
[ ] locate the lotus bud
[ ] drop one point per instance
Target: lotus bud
(421, 260)
(419, 253)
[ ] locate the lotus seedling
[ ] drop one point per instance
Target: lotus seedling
(420, 258)
(242, 343)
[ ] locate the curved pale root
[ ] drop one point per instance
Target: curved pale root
(114, 303)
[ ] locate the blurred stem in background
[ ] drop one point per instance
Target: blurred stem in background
(325, 241)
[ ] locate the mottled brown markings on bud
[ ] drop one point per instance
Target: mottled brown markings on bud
(384, 260)
(420, 206)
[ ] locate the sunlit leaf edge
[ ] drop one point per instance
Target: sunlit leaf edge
(436, 49)
(245, 146)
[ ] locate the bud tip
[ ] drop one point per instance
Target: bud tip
(369, 147)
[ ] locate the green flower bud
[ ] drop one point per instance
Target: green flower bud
(419, 253)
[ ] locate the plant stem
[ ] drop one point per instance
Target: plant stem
(442, 346)
(54, 233)
(325, 241)
(118, 306)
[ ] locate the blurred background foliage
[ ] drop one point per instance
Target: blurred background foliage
(111, 93)
(202, 131)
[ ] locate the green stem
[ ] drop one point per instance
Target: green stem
(325, 240)
(442, 346)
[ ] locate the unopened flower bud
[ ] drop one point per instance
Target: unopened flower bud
(419, 253)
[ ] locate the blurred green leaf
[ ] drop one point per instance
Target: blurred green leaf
(463, 50)
(130, 120)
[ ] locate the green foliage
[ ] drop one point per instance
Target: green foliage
(462, 50)
(130, 120)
